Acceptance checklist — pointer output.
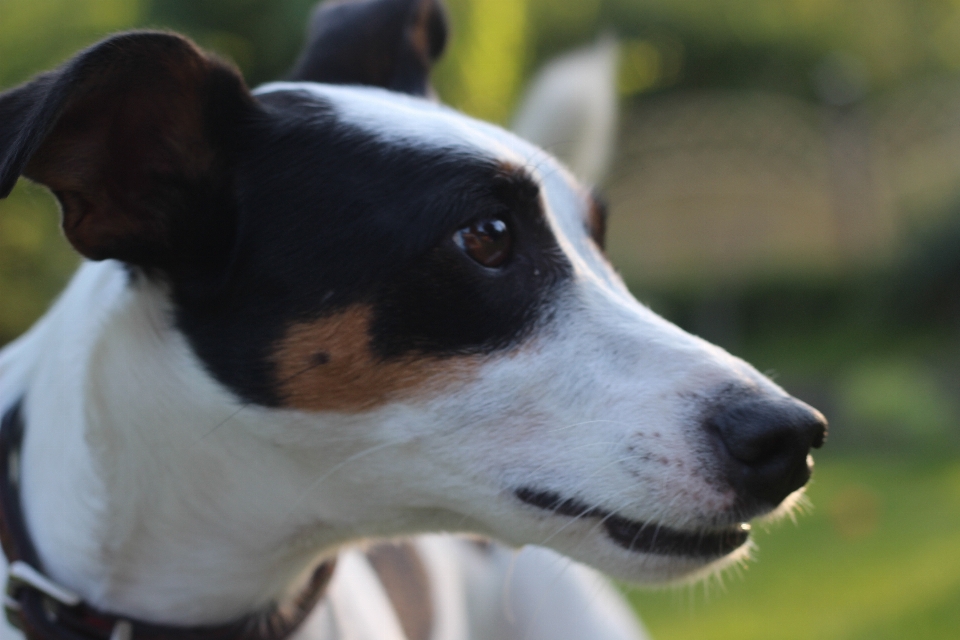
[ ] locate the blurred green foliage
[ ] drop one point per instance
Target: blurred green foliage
(35, 36)
(34, 259)
(774, 44)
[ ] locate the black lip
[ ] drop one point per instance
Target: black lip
(642, 537)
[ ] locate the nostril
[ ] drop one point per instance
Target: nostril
(756, 448)
(765, 442)
(819, 428)
(756, 429)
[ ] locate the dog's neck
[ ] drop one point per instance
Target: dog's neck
(199, 517)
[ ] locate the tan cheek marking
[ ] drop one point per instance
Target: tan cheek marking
(327, 365)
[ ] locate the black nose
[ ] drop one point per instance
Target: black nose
(765, 445)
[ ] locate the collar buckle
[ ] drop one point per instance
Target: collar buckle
(21, 575)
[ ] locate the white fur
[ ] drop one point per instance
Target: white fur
(151, 490)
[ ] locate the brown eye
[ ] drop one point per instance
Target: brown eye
(486, 241)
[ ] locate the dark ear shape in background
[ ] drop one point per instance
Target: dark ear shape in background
(133, 137)
(382, 43)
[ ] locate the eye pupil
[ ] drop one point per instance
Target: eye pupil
(487, 241)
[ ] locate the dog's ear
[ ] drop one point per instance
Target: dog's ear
(571, 109)
(130, 135)
(383, 43)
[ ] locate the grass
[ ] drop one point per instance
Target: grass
(878, 556)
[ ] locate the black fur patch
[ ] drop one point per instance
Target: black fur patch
(328, 215)
(265, 214)
(381, 43)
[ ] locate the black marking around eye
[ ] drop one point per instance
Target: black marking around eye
(329, 216)
(444, 303)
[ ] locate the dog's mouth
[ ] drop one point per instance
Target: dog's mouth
(644, 537)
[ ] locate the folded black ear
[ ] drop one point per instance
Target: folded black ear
(133, 137)
(383, 43)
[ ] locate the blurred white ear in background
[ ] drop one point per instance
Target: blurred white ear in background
(570, 109)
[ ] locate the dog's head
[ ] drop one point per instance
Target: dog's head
(364, 266)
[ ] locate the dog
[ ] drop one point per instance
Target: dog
(333, 310)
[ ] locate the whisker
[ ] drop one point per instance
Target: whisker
(592, 530)
(560, 530)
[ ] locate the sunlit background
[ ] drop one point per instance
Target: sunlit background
(786, 184)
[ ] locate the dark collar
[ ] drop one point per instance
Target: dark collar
(45, 611)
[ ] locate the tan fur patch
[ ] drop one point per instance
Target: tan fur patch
(327, 365)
